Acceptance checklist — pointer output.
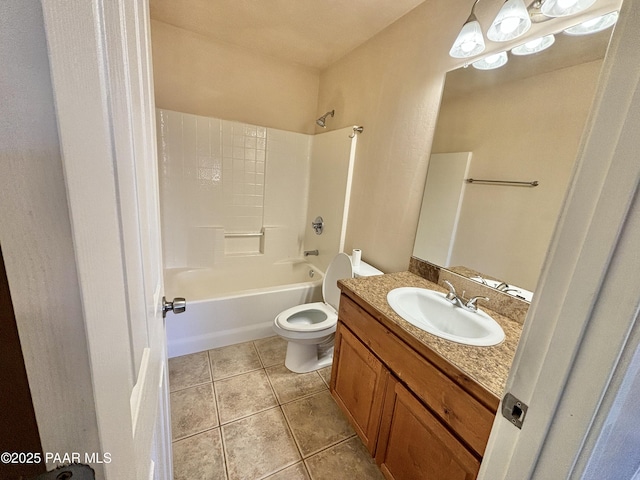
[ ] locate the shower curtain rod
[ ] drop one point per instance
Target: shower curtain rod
(356, 129)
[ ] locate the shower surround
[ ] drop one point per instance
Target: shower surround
(236, 203)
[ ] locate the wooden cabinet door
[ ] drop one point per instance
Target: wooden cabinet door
(414, 445)
(358, 381)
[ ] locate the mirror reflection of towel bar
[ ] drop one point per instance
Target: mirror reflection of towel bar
(503, 182)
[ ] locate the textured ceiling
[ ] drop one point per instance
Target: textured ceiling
(315, 33)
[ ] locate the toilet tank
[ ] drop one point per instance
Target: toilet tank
(365, 270)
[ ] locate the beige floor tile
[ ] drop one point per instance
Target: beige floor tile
(291, 386)
(316, 422)
(189, 371)
(199, 457)
(243, 395)
(325, 373)
(193, 410)
(272, 350)
(349, 460)
(294, 472)
(258, 445)
(234, 360)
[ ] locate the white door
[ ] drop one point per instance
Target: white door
(101, 71)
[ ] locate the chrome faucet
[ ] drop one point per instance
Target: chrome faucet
(457, 301)
(311, 252)
(452, 296)
(471, 304)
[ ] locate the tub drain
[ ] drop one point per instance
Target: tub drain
(311, 273)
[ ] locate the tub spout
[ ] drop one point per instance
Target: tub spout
(310, 252)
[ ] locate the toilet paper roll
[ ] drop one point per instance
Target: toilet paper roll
(356, 256)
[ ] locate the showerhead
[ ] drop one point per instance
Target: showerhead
(321, 121)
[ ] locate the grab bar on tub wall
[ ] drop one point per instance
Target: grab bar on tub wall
(243, 234)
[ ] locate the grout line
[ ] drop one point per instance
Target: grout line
(190, 386)
(253, 344)
(273, 390)
(306, 395)
(224, 454)
(209, 365)
(215, 399)
(306, 468)
(295, 440)
(327, 447)
(194, 434)
(237, 374)
(269, 475)
(344, 440)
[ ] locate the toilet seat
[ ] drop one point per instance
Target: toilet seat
(308, 317)
(317, 316)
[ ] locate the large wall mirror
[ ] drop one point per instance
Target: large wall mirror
(520, 123)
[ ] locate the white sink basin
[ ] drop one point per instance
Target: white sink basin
(433, 313)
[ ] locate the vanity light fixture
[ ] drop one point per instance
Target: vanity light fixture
(563, 8)
(511, 22)
(469, 41)
(534, 46)
(492, 61)
(593, 25)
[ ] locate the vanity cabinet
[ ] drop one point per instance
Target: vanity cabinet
(415, 444)
(359, 386)
(417, 421)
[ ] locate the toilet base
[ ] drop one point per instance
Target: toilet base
(303, 358)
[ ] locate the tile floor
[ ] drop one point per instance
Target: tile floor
(238, 413)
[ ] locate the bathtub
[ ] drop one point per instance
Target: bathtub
(227, 307)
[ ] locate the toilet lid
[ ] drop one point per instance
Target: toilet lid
(339, 268)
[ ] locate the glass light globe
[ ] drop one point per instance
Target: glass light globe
(511, 22)
(534, 46)
(593, 25)
(469, 42)
(563, 8)
(492, 61)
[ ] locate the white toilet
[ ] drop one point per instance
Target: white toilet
(310, 328)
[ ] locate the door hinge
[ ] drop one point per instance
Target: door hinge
(514, 410)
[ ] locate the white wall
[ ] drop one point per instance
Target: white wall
(36, 239)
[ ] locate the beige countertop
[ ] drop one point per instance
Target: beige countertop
(487, 366)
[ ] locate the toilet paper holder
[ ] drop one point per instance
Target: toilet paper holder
(318, 225)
